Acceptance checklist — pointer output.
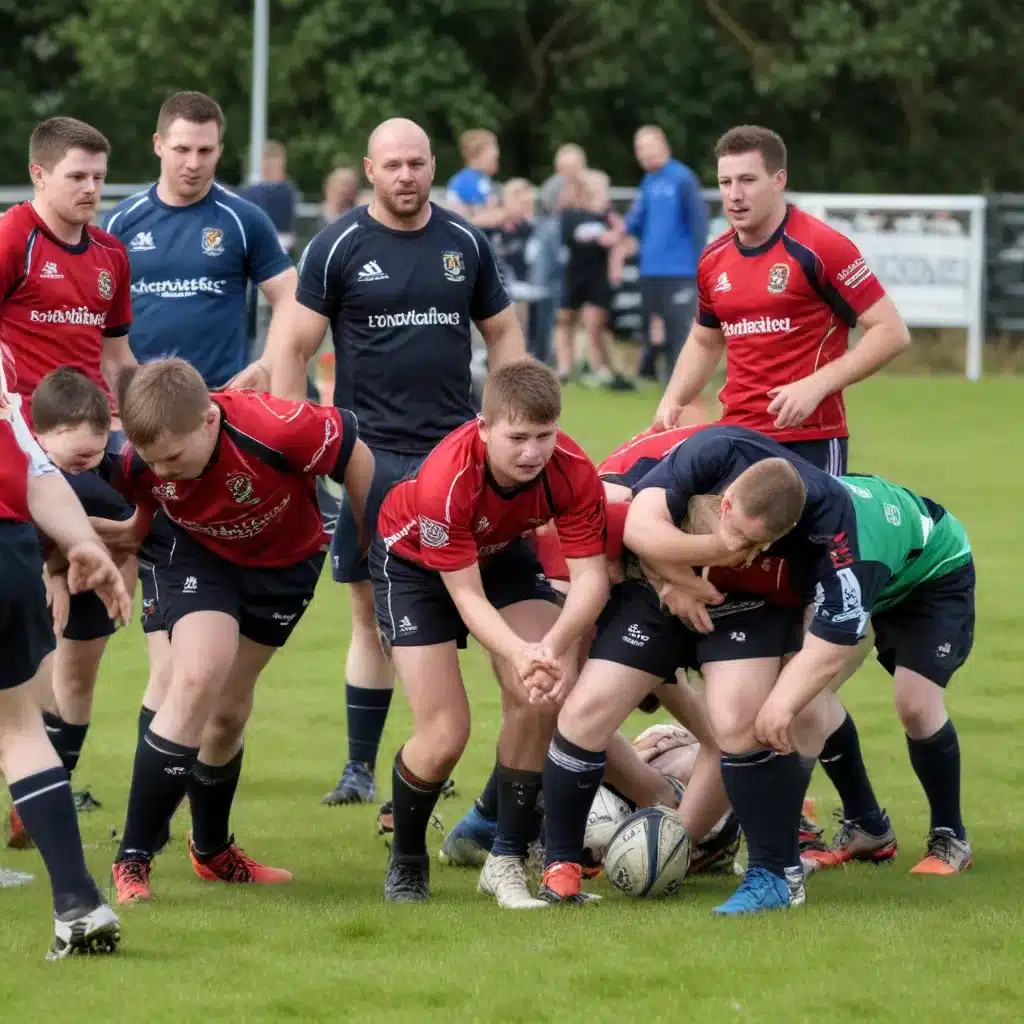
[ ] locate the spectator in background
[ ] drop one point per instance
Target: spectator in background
(341, 191)
(274, 194)
(669, 219)
(471, 192)
(590, 228)
(514, 246)
(570, 163)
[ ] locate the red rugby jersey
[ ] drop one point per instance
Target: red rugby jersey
(786, 308)
(255, 502)
(451, 514)
(58, 301)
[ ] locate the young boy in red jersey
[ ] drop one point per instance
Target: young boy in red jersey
(449, 560)
(235, 473)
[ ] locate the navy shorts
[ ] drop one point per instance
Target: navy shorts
(26, 628)
(635, 631)
(267, 604)
(87, 618)
(155, 551)
(414, 608)
(931, 631)
(830, 453)
(347, 565)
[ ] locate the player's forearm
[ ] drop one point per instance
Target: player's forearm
(117, 355)
(588, 594)
(56, 510)
(809, 672)
(505, 343)
(694, 368)
(880, 345)
(357, 479)
(671, 553)
(288, 369)
(484, 621)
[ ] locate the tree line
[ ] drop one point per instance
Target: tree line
(870, 95)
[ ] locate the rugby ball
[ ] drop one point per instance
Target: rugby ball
(649, 855)
(607, 813)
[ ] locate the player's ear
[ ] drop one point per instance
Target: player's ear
(433, 166)
(368, 169)
(781, 178)
(35, 172)
(482, 429)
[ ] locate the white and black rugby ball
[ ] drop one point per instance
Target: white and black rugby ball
(649, 855)
(607, 813)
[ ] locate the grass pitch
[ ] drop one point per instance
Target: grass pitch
(872, 943)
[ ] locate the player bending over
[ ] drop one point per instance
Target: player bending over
(235, 473)
(31, 490)
(449, 560)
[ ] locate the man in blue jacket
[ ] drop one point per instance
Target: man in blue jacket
(669, 219)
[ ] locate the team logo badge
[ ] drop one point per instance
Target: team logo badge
(165, 492)
(105, 285)
(241, 490)
(213, 241)
(454, 267)
(778, 278)
(148, 607)
(432, 533)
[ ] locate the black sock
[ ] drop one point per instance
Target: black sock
(146, 716)
(44, 803)
(766, 790)
(413, 801)
(367, 713)
(159, 782)
(572, 776)
(844, 765)
(211, 792)
(517, 810)
(936, 762)
(67, 739)
(487, 801)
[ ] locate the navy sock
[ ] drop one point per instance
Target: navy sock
(44, 803)
(936, 762)
(517, 810)
(844, 765)
(766, 790)
(572, 776)
(159, 783)
(367, 713)
(413, 801)
(487, 801)
(67, 739)
(211, 792)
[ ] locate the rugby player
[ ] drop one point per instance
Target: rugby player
(235, 475)
(778, 294)
(400, 282)
(33, 491)
(769, 496)
(449, 560)
(64, 300)
(194, 248)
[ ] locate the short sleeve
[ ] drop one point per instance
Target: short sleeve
(39, 463)
(131, 476)
(843, 599)
(98, 498)
(444, 515)
(689, 469)
(581, 528)
(489, 294)
(312, 438)
(12, 255)
(120, 315)
(320, 273)
(849, 284)
(706, 315)
(264, 256)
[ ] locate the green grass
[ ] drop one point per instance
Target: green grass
(871, 944)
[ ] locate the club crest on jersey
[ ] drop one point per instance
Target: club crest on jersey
(778, 278)
(105, 285)
(165, 491)
(432, 533)
(454, 266)
(241, 489)
(213, 241)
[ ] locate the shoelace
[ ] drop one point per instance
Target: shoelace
(233, 865)
(135, 871)
(940, 845)
(405, 878)
(749, 886)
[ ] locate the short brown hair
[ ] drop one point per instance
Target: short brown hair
(523, 389)
(167, 396)
(53, 138)
(66, 398)
(474, 142)
(752, 138)
(196, 107)
(773, 491)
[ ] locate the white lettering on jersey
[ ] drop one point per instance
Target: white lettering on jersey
(757, 325)
(80, 316)
(179, 288)
(414, 318)
(142, 242)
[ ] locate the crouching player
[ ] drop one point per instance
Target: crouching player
(449, 560)
(235, 474)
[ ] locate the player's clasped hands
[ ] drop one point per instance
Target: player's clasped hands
(542, 674)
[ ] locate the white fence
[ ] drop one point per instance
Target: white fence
(928, 251)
